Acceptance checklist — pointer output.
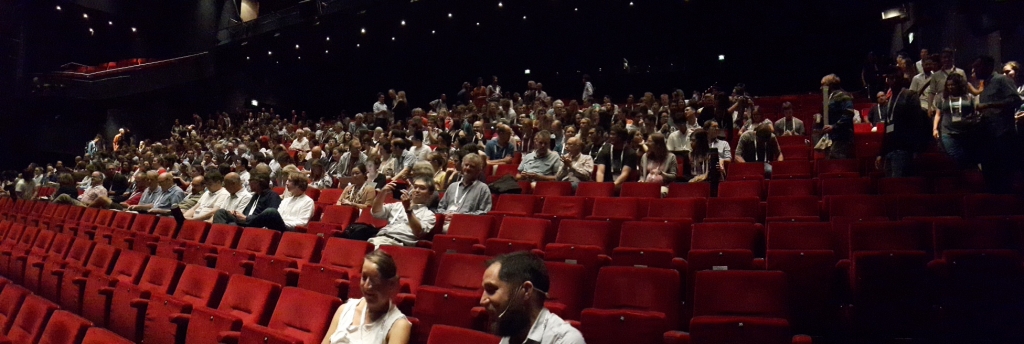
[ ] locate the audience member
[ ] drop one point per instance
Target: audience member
(954, 121)
(515, 288)
(500, 149)
(576, 166)
(906, 131)
(616, 162)
(360, 192)
(789, 125)
(295, 210)
(374, 318)
(658, 165)
(468, 196)
(541, 164)
(261, 199)
(409, 219)
(212, 199)
(997, 104)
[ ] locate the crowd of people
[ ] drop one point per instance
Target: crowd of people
(435, 159)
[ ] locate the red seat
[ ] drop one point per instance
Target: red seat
(85, 221)
(800, 236)
(103, 219)
(585, 243)
(64, 328)
(334, 221)
(796, 153)
(98, 335)
(329, 197)
(810, 276)
(826, 166)
(39, 248)
(518, 234)
(514, 205)
(929, 205)
(101, 261)
(845, 186)
(891, 236)
(677, 210)
(53, 269)
(128, 302)
(33, 314)
(456, 291)
(618, 209)
(902, 186)
(595, 189)
(619, 316)
(246, 301)
(744, 209)
(562, 207)
(791, 169)
(122, 222)
(11, 299)
(890, 293)
(981, 294)
(745, 188)
(98, 287)
(993, 205)
(34, 264)
(253, 241)
(793, 140)
(466, 234)
(293, 251)
(341, 260)
(727, 310)
(858, 206)
(975, 234)
(220, 236)
(443, 334)
(640, 190)
(553, 189)
(570, 290)
(300, 315)
(167, 314)
(412, 266)
(145, 236)
(793, 208)
(656, 245)
(745, 171)
(191, 232)
(689, 190)
(792, 187)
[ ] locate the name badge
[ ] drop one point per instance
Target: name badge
(957, 118)
(889, 128)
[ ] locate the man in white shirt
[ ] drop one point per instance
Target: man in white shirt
(211, 200)
(588, 88)
(295, 209)
(300, 143)
(242, 166)
(923, 79)
(238, 197)
(938, 82)
(418, 149)
(920, 63)
(515, 287)
(409, 219)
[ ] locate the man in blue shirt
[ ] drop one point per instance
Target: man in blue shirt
(500, 150)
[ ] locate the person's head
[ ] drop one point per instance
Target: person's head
(214, 180)
(956, 86)
(699, 141)
(983, 66)
(787, 109)
(232, 182)
(259, 181)
(515, 287)
(421, 189)
(504, 133)
(656, 145)
(924, 54)
(358, 173)
(297, 184)
(574, 145)
(141, 181)
(831, 80)
(541, 142)
(437, 161)
(881, 98)
(472, 164)
(398, 146)
(711, 126)
(1010, 69)
(151, 177)
(241, 164)
(763, 132)
(66, 180)
(316, 152)
(930, 63)
(570, 131)
(97, 178)
(946, 58)
(619, 137)
(165, 181)
(198, 185)
(379, 280)
(478, 127)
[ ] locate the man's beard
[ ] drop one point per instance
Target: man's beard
(513, 323)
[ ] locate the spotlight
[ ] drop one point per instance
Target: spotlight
(477, 23)
(58, 7)
(300, 57)
(110, 23)
(247, 58)
(721, 57)
(631, 3)
(134, 30)
(433, 32)
(328, 38)
(270, 53)
(91, 32)
(524, 17)
(255, 103)
(577, 9)
(500, 5)
(357, 45)
(85, 15)
(449, 15)
(392, 38)
(527, 72)
(296, 46)
(362, 31)
(327, 51)
(403, 23)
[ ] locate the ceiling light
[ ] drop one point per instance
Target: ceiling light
(527, 72)
(432, 32)
(357, 45)
(403, 23)
(255, 103)
(58, 7)
(110, 23)
(500, 5)
(134, 30)
(296, 46)
(328, 38)
(524, 17)
(721, 57)
(327, 51)
(631, 3)
(270, 53)
(392, 38)
(85, 15)
(300, 57)
(91, 32)
(246, 57)
(449, 15)
(477, 23)
(362, 31)
(577, 9)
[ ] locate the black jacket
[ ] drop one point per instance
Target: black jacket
(262, 201)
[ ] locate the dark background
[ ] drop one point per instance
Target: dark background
(774, 47)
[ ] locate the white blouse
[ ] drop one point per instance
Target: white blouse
(366, 333)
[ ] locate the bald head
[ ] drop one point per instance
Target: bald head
(261, 168)
(316, 152)
(198, 185)
(165, 181)
(232, 182)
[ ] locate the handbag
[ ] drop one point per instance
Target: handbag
(505, 185)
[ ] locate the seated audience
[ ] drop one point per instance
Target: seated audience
(360, 192)
(515, 288)
(541, 164)
(195, 191)
(374, 318)
(658, 165)
(576, 166)
(94, 196)
(168, 196)
(500, 149)
(295, 209)
(789, 125)
(212, 199)
(262, 198)
(616, 162)
(408, 220)
(468, 196)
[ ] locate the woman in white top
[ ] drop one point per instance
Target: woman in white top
(373, 319)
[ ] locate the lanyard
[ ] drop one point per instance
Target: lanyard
(622, 157)
(458, 201)
(254, 203)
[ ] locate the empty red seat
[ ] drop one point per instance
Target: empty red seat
(103, 220)
(246, 301)
(793, 140)
(619, 316)
(39, 248)
(562, 207)
(466, 234)
(443, 334)
(329, 197)
(518, 234)
(652, 244)
(174, 248)
(826, 166)
(101, 261)
(334, 221)
(791, 169)
(903, 186)
(300, 315)
(858, 206)
(929, 205)
(845, 186)
(412, 266)
(890, 236)
(122, 222)
(341, 260)
(743, 209)
(167, 314)
(53, 269)
(595, 189)
(744, 188)
(32, 316)
(86, 220)
(11, 299)
(96, 335)
(676, 210)
(793, 208)
(64, 328)
(890, 294)
(792, 187)
(745, 171)
(219, 236)
(727, 310)
(34, 264)
(640, 190)
(689, 190)
(800, 236)
(980, 294)
(797, 153)
(993, 205)
(570, 290)
(253, 241)
(975, 234)
(618, 209)
(128, 301)
(98, 287)
(585, 243)
(514, 205)
(810, 276)
(553, 189)
(456, 291)
(293, 251)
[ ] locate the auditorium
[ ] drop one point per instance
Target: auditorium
(511, 171)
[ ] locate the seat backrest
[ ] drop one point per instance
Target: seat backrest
(43, 241)
(129, 266)
(678, 208)
(444, 334)
(105, 217)
(836, 165)
(345, 253)
(587, 232)
(890, 236)
(553, 189)
(50, 209)
(791, 187)
(633, 288)
(729, 293)
(516, 203)
(845, 186)
(721, 236)
(656, 235)
(339, 214)
(89, 215)
(524, 229)
(792, 168)
(10, 301)
(28, 237)
(746, 171)
(250, 299)
(624, 207)
(98, 335)
(461, 271)
(74, 213)
(569, 286)
(329, 196)
(741, 188)
(222, 235)
(191, 231)
(301, 314)
(976, 234)
(160, 275)
(61, 245)
(64, 328)
(800, 236)
(122, 220)
(32, 316)
(299, 246)
(258, 240)
(793, 206)
(103, 258)
(412, 264)
(595, 189)
(993, 205)
(857, 206)
(200, 286)
(480, 227)
(689, 190)
(903, 186)
(79, 252)
(14, 233)
(563, 206)
(929, 205)
(734, 207)
(640, 190)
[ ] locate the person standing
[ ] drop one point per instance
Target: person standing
(588, 88)
(997, 105)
